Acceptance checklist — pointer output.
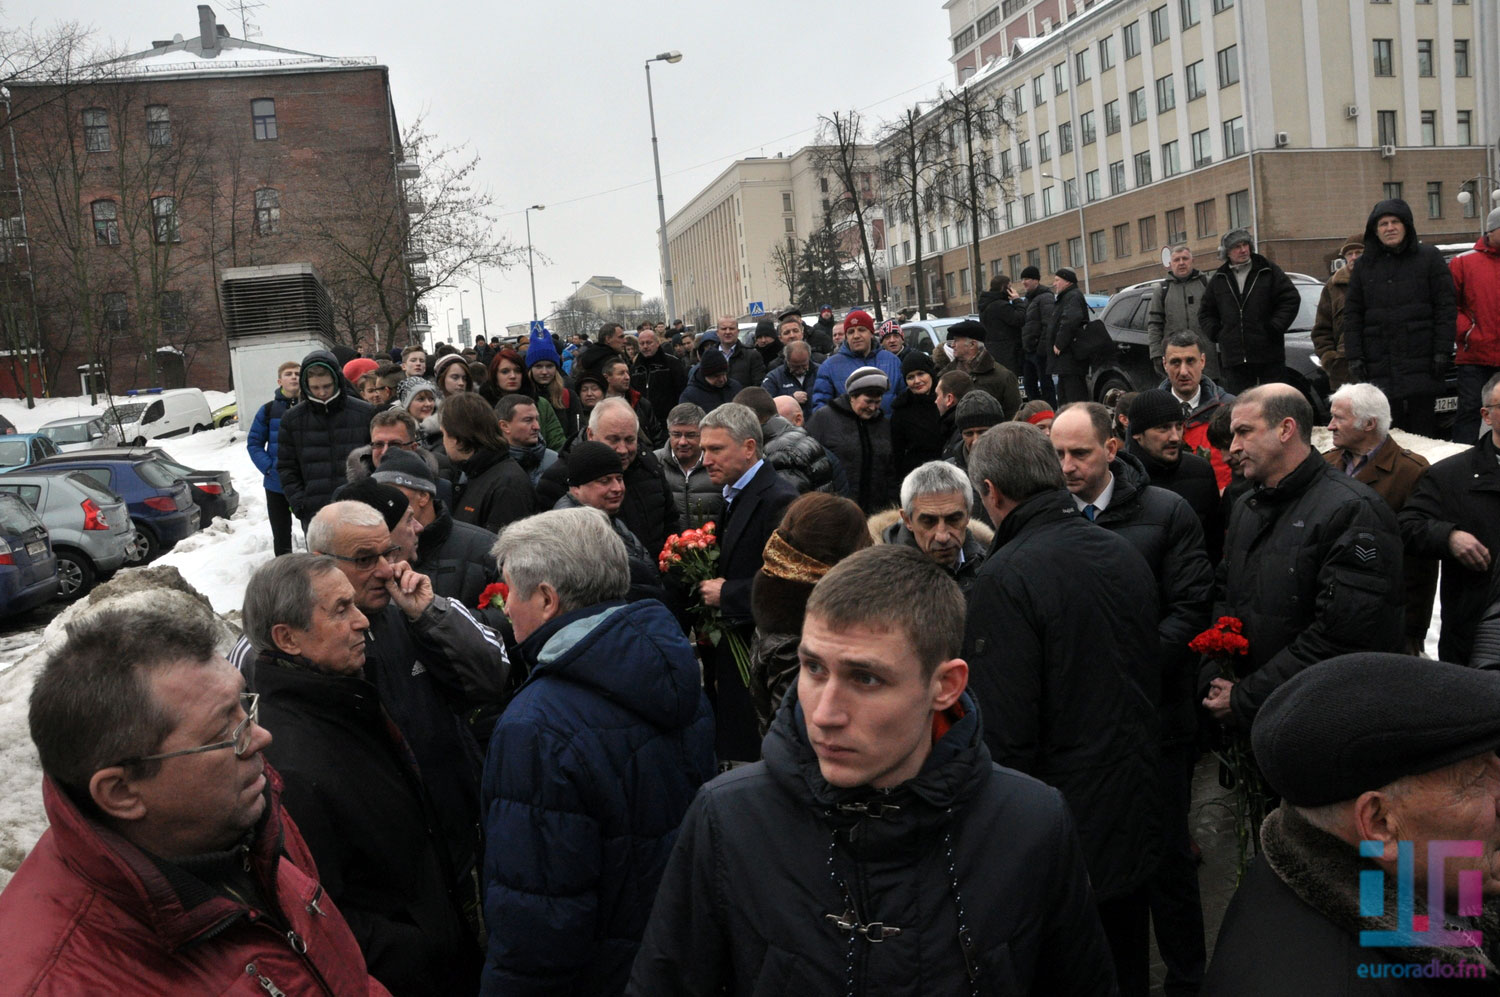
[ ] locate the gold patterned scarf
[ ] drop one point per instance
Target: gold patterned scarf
(782, 560)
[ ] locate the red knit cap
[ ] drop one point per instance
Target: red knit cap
(859, 319)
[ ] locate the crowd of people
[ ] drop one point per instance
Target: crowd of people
(813, 663)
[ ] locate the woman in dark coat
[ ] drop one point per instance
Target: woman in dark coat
(916, 425)
(493, 490)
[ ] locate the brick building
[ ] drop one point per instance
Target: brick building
(1175, 120)
(143, 178)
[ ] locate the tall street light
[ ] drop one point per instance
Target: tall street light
(661, 202)
(1464, 197)
(530, 266)
(1083, 238)
(484, 320)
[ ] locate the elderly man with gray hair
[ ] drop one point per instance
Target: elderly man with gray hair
(934, 518)
(1382, 862)
(362, 811)
(591, 767)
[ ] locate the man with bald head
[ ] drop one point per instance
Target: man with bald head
(788, 409)
(1312, 560)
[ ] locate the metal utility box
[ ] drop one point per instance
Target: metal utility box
(274, 314)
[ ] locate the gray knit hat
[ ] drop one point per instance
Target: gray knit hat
(867, 378)
(977, 408)
(410, 387)
(1492, 222)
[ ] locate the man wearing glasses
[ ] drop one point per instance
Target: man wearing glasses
(361, 810)
(169, 854)
(390, 431)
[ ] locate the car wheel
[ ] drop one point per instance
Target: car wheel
(1108, 382)
(200, 428)
(224, 422)
(143, 547)
(75, 575)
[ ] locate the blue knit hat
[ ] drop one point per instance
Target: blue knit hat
(540, 348)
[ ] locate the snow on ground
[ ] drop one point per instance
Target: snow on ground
(27, 420)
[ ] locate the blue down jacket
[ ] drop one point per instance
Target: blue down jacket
(590, 770)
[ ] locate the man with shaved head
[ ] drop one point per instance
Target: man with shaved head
(1312, 561)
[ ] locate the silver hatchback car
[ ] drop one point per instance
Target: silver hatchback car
(90, 525)
(84, 432)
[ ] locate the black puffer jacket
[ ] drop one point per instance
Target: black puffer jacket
(649, 509)
(916, 431)
(316, 438)
(1192, 477)
(661, 377)
(1164, 530)
(493, 492)
(1066, 671)
(1035, 333)
(1313, 568)
(1401, 312)
(368, 820)
(797, 849)
(1070, 313)
(863, 446)
(796, 456)
(1004, 320)
(1249, 325)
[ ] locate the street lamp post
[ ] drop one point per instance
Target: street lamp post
(530, 266)
(484, 321)
(1083, 237)
(661, 202)
(1464, 197)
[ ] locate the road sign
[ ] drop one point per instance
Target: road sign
(538, 327)
(757, 308)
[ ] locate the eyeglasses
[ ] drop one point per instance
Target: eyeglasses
(364, 562)
(379, 446)
(239, 738)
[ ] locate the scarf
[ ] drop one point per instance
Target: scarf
(529, 457)
(786, 562)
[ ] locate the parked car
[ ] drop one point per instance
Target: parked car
(226, 415)
(177, 412)
(161, 505)
(90, 526)
(928, 334)
(213, 491)
(28, 568)
(23, 449)
(84, 432)
(6, 426)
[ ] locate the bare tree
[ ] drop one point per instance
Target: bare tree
(842, 155)
(968, 185)
(912, 166)
(784, 264)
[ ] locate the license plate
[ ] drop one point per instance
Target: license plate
(36, 548)
(1449, 404)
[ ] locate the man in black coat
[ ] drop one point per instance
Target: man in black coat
(1036, 365)
(1454, 515)
(1156, 428)
(1400, 316)
(756, 497)
(1247, 309)
(1312, 561)
(861, 856)
(1066, 670)
(1004, 318)
(746, 366)
(820, 334)
(1111, 489)
(317, 436)
(658, 374)
(1070, 361)
(362, 808)
(609, 343)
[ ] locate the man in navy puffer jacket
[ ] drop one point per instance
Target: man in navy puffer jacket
(592, 765)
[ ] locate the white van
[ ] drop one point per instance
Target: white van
(160, 414)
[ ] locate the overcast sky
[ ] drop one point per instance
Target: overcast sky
(552, 96)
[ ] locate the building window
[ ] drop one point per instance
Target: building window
(267, 211)
(1038, 94)
(1098, 247)
(158, 125)
(1234, 137)
(1086, 127)
(988, 22)
(1222, 5)
(827, 206)
(1229, 66)
(106, 223)
(96, 130)
(1195, 85)
(1070, 195)
(1065, 137)
(1091, 185)
(786, 200)
(1384, 65)
(1132, 35)
(1166, 94)
(1460, 57)
(1028, 207)
(1206, 217)
(1060, 78)
(947, 236)
(1424, 56)
(952, 292)
(1161, 28)
(1047, 206)
(1137, 105)
(263, 117)
(1117, 177)
(173, 314)
(1075, 252)
(1465, 128)
(1203, 152)
(1171, 163)
(1187, 11)
(1013, 265)
(1146, 229)
(1434, 199)
(1176, 226)
(1391, 191)
(1112, 117)
(822, 185)
(167, 227)
(1034, 258)
(1023, 154)
(963, 39)
(1018, 99)
(1005, 162)
(1142, 168)
(1081, 65)
(1122, 240)
(1239, 209)
(1385, 122)
(1107, 52)
(1429, 128)
(116, 312)
(1044, 147)
(1054, 256)
(963, 281)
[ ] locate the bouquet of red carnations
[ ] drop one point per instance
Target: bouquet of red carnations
(1223, 639)
(693, 556)
(1223, 642)
(494, 596)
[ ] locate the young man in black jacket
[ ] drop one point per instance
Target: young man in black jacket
(859, 856)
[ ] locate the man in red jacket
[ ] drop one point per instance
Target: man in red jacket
(1476, 279)
(170, 866)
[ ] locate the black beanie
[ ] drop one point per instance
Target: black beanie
(1031, 273)
(977, 408)
(590, 461)
(1153, 408)
(387, 500)
(713, 362)
(917, 360)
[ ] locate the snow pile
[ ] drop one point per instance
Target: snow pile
(28, 420)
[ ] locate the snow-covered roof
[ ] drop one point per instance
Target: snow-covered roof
(230, 56)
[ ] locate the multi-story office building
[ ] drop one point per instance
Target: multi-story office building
(1137, 124)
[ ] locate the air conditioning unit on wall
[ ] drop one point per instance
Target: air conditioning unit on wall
(1351, 110)
(1283, 140)
(1388, 152)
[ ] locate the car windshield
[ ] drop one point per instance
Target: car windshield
(125, 413)
(12, 453)
(155, 475)
(77, 432)
(1308, 313)
(16, 516)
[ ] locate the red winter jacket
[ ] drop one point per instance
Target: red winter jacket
(1476, 278)
(89, 913)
